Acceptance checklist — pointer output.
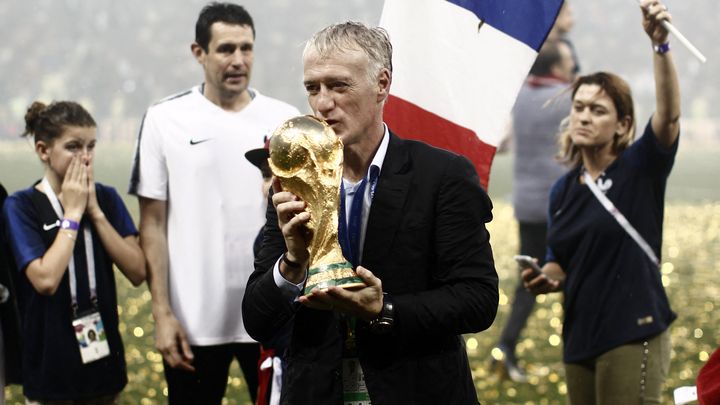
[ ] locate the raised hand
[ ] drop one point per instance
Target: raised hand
(654, 12)
(93, 208)
(292, 220)
(74, 190)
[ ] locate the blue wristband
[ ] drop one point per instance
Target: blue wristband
(662, 48)
(69, 224)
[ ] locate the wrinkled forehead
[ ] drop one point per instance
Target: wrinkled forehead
(349, 52)
(343, 64)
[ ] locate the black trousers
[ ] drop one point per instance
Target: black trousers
(532, 243)
(212, 365)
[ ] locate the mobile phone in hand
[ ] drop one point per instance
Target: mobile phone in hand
(527, 262)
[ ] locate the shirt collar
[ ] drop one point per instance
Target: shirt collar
(376, 161)
(379, 157)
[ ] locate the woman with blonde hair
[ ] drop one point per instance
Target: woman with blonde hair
(605, 233)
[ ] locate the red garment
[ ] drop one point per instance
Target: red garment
(708, 381)
(264, 377)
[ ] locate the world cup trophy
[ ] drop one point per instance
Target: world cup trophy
(307, 157)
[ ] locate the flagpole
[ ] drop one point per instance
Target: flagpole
(690, 47)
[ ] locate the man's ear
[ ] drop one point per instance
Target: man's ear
(384, 80)
(198, 52)
(41, 148)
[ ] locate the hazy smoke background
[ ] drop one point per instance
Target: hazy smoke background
(117, 57)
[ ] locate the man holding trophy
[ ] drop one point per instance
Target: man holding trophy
(378, 316)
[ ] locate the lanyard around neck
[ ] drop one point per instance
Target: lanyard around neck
(89, 254)
(350, 224)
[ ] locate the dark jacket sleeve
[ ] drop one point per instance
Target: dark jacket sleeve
(266, 311)
(463, 293)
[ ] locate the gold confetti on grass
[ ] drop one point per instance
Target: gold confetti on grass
(691, 253)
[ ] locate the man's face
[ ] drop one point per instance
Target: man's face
(340, 92)
(228, 60)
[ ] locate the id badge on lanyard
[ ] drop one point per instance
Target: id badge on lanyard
(88, 326)
(91, 337)
(353, 380)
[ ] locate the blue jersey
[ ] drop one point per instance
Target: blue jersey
(52, 366)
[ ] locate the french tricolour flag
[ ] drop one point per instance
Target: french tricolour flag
(457, 68)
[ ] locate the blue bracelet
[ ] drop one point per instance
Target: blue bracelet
(662, 48)
(69, 224)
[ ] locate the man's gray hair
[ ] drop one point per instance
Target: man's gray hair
(352, 35)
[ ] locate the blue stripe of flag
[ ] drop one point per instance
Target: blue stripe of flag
(528, 21)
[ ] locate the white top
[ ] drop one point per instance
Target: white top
(292, 290)
(190, 153)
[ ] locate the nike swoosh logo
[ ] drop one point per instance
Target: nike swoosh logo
(194, 142)
(47, 227)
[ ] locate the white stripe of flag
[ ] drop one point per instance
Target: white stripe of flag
(455, 75)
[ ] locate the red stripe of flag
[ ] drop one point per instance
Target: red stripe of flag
(412, 122)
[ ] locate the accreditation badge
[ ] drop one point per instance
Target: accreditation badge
(91, 337)
(354, 390)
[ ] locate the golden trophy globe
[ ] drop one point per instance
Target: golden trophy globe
(307, 157)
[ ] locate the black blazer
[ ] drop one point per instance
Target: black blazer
(426, 240)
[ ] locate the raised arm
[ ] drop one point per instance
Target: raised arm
(266, 308)
(46, 272)
(666, 120)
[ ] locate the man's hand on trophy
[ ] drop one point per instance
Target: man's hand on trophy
(292, 220)
(365, 303)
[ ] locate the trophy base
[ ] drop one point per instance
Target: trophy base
(333, 275)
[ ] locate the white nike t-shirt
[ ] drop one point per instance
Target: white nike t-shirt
(190, 152)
